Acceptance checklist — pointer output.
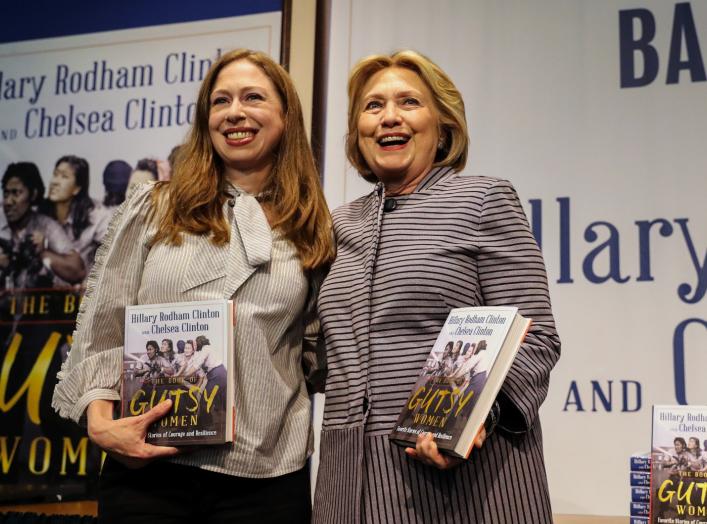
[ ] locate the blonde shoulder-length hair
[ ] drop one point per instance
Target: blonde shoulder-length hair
(454, 135)
(192, 201)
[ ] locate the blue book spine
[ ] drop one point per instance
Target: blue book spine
(638, 520)
(640, 479)
(640, 495)
(640, 463)
(640, 509)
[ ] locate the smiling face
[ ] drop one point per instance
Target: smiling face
(246, 119)
(63, 187)
(188, 349)
(398, 126)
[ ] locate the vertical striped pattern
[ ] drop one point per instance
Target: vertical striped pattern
(276, 323)
(456, 241)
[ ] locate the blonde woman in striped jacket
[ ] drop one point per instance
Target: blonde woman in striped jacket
(423, 241)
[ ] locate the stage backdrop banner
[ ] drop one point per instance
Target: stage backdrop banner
(123, 90)
(596, 112)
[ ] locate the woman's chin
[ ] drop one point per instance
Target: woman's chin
(392, 174)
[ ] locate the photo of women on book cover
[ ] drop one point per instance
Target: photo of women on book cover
(447, 389)
(185, 364)
(679, 464)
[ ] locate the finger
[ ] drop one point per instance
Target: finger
(419, 445)
(480, 437)
(423, 437)
(427, 447)
(438, 459)
(156, 413)
(152, 451)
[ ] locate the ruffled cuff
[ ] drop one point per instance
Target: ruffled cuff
(96, 377)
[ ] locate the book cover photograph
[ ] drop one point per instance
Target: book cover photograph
(461, 378)
(182, 352)
(679, 465)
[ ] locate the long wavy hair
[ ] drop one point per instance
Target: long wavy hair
(81, 204)
(192, 202)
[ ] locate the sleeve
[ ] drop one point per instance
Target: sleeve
(57, 239)
(314, 362)
(101, 216)
(93, 367)
(512, 272)
(199, 358)
(103, 219)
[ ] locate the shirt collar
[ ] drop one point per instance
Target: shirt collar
(435, 175)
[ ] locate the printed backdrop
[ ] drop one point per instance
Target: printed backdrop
(107, 95)
(596, 112)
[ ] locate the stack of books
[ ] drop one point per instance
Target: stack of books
(640, 479)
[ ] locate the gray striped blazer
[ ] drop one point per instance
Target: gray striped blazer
(276, 328)
(456, 241)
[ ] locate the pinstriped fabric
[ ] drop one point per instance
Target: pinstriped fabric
(456, 241)
(275, 323)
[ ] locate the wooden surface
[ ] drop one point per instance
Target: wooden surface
(89, 507)
(585, 519)
(84, 507)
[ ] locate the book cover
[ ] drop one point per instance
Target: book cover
(461, 378)
(679, 465)
(183, 352)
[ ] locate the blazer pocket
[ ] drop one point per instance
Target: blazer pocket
(207, 263)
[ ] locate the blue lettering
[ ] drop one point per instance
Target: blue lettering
(612, 244)
(644, 244)
(130, 121)
(630, 44)
(684, 24)
(597, 392)
(565, 276)
(679, 357)
(573, 398)
(168, 77)
(536, 219)
(701, 287)
(625, 393)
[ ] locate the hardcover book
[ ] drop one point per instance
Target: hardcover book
(641, 462)
(640, 479)
(679, 465)
(461, 378)
(640, 494)
(640, 509)
(183, 352)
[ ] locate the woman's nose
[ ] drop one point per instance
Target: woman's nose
(391, 115)
(235, 112)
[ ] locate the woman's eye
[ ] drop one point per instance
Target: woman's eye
(373, 104)
(250, 97)
(219, 100)
(410, 101)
